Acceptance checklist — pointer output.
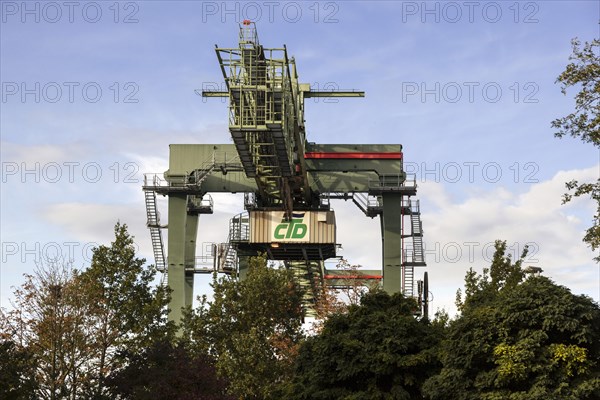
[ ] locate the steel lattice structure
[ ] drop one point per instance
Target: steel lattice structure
(288, 184)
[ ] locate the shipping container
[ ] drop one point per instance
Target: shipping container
(313, 227)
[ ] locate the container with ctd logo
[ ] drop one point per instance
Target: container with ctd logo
(307, 227)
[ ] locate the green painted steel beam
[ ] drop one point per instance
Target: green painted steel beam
(325, 175)
(191, 233)
(359, 148)
(243, 265)
(214, 93)
(391, 227)
(307, 94)
(176, 255)
(334, 93)
(341, 182)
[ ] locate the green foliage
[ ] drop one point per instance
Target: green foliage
(75, 326)
(47, 324)
(519, 338)
(126, 297)
(378, 350)
(164, 371)
(128, 312)
(584, 123)
(251, 328)
(592, 234)
(503, 273)
(583, 71)
(17, 372)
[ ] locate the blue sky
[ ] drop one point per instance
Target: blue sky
(94, 92)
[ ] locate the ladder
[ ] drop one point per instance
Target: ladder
(416, 225)
(239, 228)
(412, 256)
(308, 276)
(153, 222)
(408, 280)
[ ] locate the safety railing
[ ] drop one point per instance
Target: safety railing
(393, 182)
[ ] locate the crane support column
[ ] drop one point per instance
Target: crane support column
(191, 232)
(391, 228)
(176, 250)
(243, 267)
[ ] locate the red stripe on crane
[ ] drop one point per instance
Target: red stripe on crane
(353, 277)
(338, 155)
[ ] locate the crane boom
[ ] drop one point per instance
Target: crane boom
(266, 119)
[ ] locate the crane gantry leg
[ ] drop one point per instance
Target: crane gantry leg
(183, 229)
(191, 232)
(391, 228)
(176, 254)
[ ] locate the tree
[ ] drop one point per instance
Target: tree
(251, 328)
(378, 350)
(584, 123)
(583, 70)
(354, 288)
(165, 371)
(524, 339)
(330, 300)
(502, 273)
(48, 325)
(327, 303)
(17, 372)
(76, 325)
(127, 312)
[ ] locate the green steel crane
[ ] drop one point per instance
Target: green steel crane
(288, 183)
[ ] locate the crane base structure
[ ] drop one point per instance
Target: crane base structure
(288, 184)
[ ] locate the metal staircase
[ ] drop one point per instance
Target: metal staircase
(239, 231)
(308, 275)
(417, 233)
(153, 222)
(196, 203)
(408, 281)
(413, 253)
(369, 204)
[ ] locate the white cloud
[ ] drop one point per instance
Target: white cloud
(94, 223)
(42, 153)
(460, 235)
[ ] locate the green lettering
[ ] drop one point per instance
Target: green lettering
(300, 231)
(290, 228)
(277, 234)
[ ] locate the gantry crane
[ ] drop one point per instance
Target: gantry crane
(287, 181)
